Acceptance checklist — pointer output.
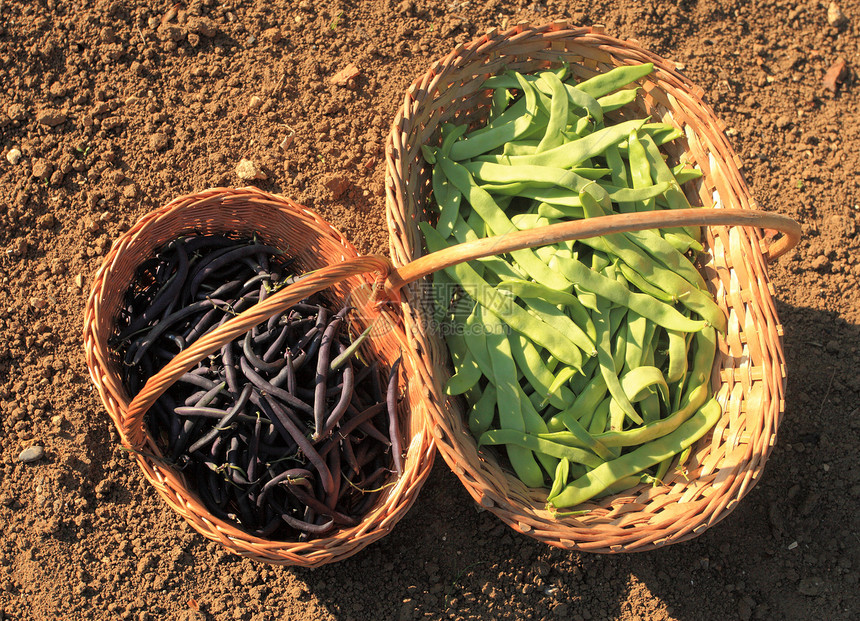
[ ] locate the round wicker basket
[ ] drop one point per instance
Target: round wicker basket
(749, 372)
(340, 274)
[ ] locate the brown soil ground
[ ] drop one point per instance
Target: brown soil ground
(117, 109)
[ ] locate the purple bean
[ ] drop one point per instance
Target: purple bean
(225, 422)
(334, 466)
(202, 325)
(294, 476)
(345, 398)
(350, 426)
(349, 454)
(277, 345)
(393, 422)
(207, 412)
(254, 451)
(222, 291)
(322, 374)
(300, 525)
(320, 507)
(267, 388)
(232, 374)
(304, 444)
(212, 263)
(189, 427)
(256, 361)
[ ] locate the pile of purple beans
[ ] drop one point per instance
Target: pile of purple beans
(286, 433)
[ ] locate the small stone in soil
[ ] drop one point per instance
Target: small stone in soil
(31, 454)
(835, 16)
(158, 141)
(14, 156)
(248, 170)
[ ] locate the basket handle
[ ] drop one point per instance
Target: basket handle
(594, 227)
(213, 341)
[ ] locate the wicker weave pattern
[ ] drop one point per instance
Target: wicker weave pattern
(316, 246)
(749, 373)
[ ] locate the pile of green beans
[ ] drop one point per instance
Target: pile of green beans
(589, 361)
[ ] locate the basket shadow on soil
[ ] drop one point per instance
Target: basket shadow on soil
(776, 556)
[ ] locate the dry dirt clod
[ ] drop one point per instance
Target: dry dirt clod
(51, 117)
(16, 112)
(346, 76)
(203, 26)
(14, 156)
(248, 170)
(31, 454)
(17, 247)
(158, 141)
(107, 35)
(835, 16)
(836, 75)
(42, 169)
(336, 185)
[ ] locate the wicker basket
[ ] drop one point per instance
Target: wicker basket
(749, 371)
(316, 246)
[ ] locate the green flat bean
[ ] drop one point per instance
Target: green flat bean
(475, 338)
(600, 419)
(509, 407)
(483, 412)
(494, 172)
(558, 113)
(635, 279)
(585, 404)
(677, 286)
(637, 460)
(538, 375)
(606, 362)
(529, 291)
(658, 312)
(513, 437)
(636, 383)
(574, 153)
(560, 480)
(501, 98)
(650, 408)
(498, 266)
(605, 83)
(551, 314)
(468, 374)
(677, 356)
(535, 425)
(619, 99)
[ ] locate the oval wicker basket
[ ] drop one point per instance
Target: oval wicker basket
(749, 372)
(316, 246)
